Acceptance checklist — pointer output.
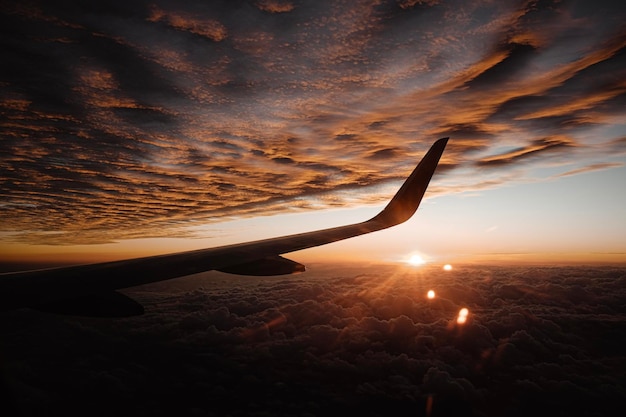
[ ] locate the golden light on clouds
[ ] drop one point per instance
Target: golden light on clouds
(208, 27)
(275, 6)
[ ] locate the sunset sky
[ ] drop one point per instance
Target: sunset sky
(131, 128)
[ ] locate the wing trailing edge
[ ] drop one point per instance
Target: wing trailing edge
(49, 287)
(275, 265)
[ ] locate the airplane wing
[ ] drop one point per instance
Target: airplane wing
(90, 289)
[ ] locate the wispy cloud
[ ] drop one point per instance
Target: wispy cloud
(592, 167)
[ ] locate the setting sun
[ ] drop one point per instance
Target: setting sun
(430, 294)
(447, 267)
(416, 260)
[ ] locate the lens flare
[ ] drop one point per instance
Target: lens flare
(462, 317)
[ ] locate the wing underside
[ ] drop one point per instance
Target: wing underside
(94, 283)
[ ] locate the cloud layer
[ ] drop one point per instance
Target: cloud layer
(124, 120)
(359, 340)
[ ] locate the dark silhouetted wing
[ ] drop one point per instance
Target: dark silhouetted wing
(65, 290)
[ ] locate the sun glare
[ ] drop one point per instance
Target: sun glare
(430, 294)
(447, 267)
(416, 260)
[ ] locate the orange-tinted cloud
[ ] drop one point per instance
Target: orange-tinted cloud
(275, 6)
(592, 167)
(131, 120)
(537, 146)
(189, 22)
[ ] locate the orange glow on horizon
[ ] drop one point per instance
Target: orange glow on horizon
(35, 256)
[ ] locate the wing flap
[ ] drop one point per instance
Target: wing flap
(274, 265)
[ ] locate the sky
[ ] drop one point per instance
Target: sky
(132, 128)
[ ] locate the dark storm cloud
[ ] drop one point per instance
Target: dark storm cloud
(124, 119)
(361, 340)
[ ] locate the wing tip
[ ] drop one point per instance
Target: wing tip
(408, 198)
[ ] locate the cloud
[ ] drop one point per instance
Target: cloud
(365, 340)
(387, 153)
(124, 120)
(275, 6)
(406, 4)
(538, 146)
(590, 168)
(513, 59)
(209, 28)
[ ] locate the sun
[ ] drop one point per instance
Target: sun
(416, 260)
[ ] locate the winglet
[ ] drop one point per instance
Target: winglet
(404, 204)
